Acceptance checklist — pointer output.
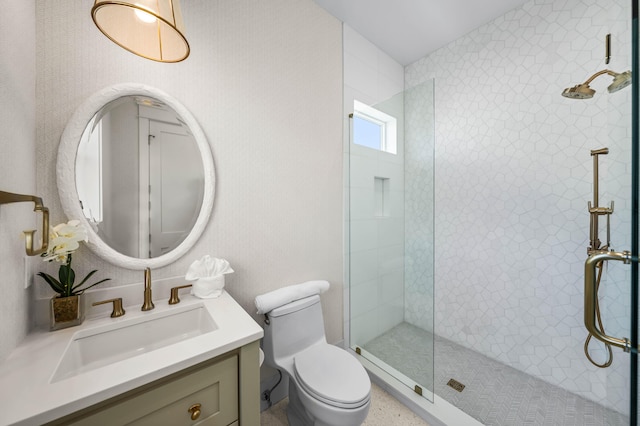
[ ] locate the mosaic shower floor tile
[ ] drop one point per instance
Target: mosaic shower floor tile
(494, 394)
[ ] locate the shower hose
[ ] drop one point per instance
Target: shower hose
(609, 360)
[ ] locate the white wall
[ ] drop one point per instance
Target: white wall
(264, 80)
(375, 244)
(17, 163)
(513, 177)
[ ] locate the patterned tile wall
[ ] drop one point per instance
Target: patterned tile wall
(513, 177)
(264, 80)
(419, 205)
(17, 163)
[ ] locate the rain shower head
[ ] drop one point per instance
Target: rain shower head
(583, 91)
(620, 81)
(580, 91)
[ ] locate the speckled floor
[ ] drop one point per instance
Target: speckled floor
(385, 411)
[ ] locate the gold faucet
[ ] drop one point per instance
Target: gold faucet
(117, 311)
(148, 304)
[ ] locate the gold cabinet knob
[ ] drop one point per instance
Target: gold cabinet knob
(194, 410)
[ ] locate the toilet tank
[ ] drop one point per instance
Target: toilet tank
(292, 328)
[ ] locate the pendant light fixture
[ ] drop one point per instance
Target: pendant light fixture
(152, 29)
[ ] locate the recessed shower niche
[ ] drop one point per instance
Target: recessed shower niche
(381, 196)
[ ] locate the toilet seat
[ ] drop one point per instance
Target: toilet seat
(332, 376)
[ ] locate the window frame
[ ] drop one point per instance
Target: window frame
(387, 123)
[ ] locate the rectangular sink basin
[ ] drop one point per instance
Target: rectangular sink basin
(93, 348)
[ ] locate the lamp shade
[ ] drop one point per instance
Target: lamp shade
(152, 29)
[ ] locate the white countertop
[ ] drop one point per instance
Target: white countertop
(27, 396)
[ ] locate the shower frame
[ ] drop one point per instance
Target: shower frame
(635, 226)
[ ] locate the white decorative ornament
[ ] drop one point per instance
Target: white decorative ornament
(208, 276)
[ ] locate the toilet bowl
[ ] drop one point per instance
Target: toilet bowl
(327, 385)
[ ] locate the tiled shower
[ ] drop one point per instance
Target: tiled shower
(492, 252)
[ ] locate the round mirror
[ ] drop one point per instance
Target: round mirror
(135, 168)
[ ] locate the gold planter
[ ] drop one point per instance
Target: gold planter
(66, 311)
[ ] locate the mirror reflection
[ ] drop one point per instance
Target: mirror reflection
(139, 176)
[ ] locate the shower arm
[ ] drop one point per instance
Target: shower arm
(598, 74)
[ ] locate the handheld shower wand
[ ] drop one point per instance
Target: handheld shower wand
(595, 247)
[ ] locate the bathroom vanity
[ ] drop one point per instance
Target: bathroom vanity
(195, 362)
(208, 393)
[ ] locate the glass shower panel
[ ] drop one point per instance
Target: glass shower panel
(391, 239)
(615, 294)
(634, 407)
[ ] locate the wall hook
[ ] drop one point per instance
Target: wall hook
(8, 197)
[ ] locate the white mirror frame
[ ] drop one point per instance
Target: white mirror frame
(66, 175)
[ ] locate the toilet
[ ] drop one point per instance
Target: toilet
(327, 385)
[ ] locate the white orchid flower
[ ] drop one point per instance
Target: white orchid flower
(72, 230)
(65, 239)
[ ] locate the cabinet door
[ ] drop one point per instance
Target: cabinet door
(214, 388)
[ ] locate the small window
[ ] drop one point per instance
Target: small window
(367, 132)
(373, 128)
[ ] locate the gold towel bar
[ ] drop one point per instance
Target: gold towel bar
(8, 197)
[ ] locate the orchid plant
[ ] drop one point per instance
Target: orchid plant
(64, 239)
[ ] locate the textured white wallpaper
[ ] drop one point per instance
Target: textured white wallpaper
(17, 163)
(264, 80)
(513, 177)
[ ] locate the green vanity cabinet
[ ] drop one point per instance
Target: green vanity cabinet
(219, 392)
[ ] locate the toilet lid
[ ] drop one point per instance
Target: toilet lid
(333, 376)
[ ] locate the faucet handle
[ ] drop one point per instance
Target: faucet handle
(174, 294)
(118, 310)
